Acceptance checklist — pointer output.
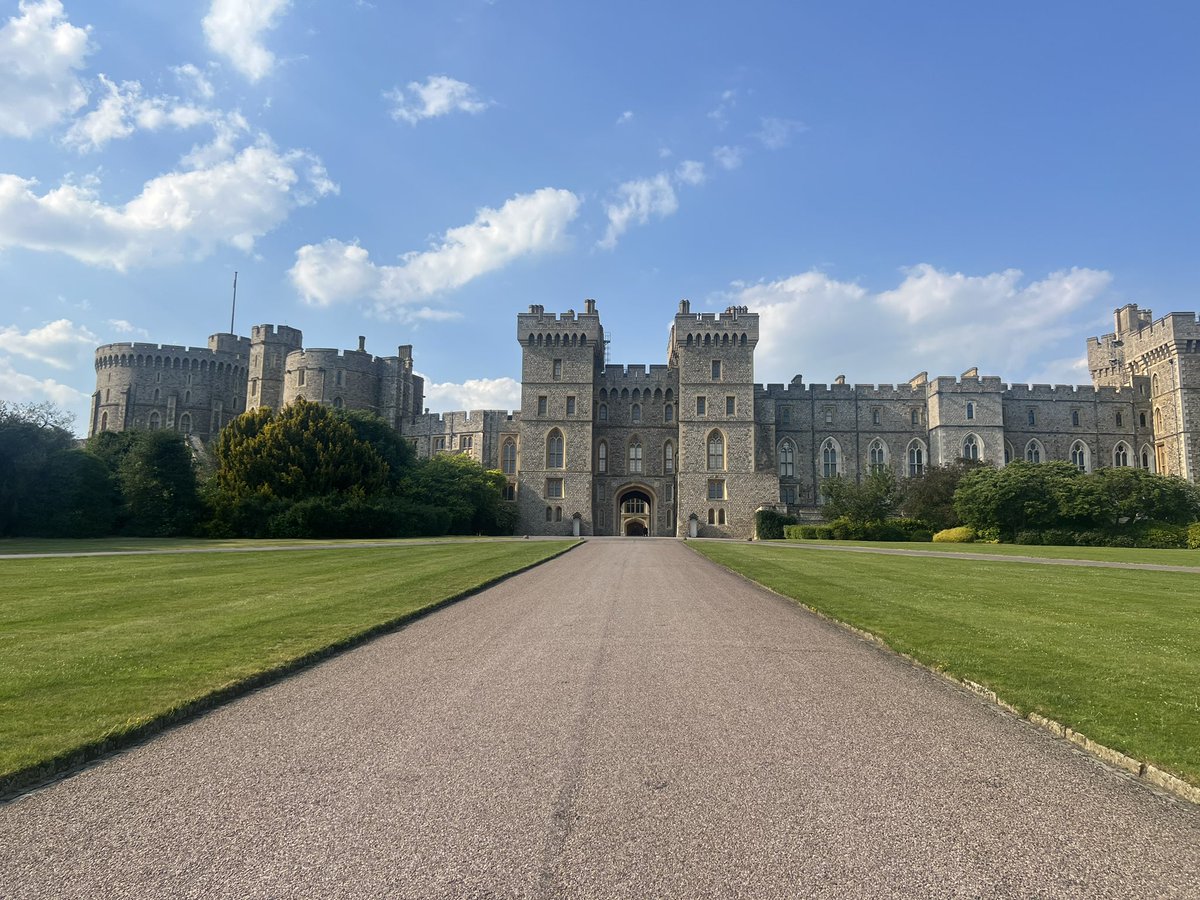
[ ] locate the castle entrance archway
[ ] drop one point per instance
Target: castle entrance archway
(635, 506)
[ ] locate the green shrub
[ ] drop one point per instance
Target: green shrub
(1159, 535)
(963, 534)
(770, 525)
(1028, 538)
(920, 535)
(1193, 536)
(1058, 537)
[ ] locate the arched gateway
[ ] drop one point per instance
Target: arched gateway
(636, 510)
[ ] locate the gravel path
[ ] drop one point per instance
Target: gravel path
(626, 721)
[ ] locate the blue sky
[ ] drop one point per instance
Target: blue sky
(894, 187)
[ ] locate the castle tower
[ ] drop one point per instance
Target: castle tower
(719, 482)
(269, 347)
(560, 358)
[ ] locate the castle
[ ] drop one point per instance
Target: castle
(693, 446)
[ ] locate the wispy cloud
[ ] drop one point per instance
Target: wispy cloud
(775, 134)
(440, 95)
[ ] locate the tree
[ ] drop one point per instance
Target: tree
(875, 499)
(387, 442)
(472, 495)
(158, 485)
(1023, 496)
(930, 496)
(1123, 495)
(30, 433)
(78, 497)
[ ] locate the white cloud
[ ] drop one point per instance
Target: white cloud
(720, 112)
(636, 202)
(20, 387)
(194, 79)
(625, 117)
(234, 30)
(994, 321)
(474, 393)
(123, 110)
(40, 54)
(728, 158)
(179, 215)
(58, 344)
(691, 172)
(776, 134)
(440, 95)
(124, 326)
(526, 225)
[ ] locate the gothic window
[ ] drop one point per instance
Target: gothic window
(1030, 417)
(104, 421)
(970, 448)
(508, 457)
(916, 459)
(830, 467)
(785, 416)
(669, 458)
(970, 410)
(1158, 428)
(634, 506)
(155, 421)
(721, 516)
(185, 423)
(700, 406)
(1033, 452)
(558, 514)
(916, 417)
(510, 491)
(156, 395)
(602, 457)
(668, 413)
(187, 396)
(1075, 417)
(1154, 386)
(465, 442)
(337, 402)
(635, 458)
(603, 413)
(549, 509)
(1141, 420)
(439, 443)
(712, 517)
(1121, 455)
(1118, 419)
(716, 451)
(877, 456)
(876, 416)
(340, 378)
(787, 494)
(635, 414)
(828, 415)
(1079, 456)
(554, 450)
(787, 460)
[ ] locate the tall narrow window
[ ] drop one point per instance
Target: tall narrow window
(916, 417)
(602, 414)
(541, 406)
(787, 460)
(829, 459)
(877, 456)
(340, 379)
(1121, 455)
(508, 457)
(1033, 452)
(635, 458)
(716, 452)
(828, 415)
(785, 416)
(1030, 417)
(716, 370)
(700, 406)
(104, 421)
(570, 406)
(554, 450)
(668, 413)
(1141, 420)
(970, 410)
(155, 421)
(668, 458)
(635, 413)
(602, 457)
(1118, 418)
(300, 377)
(558, 368)
(916, 459)
(971, 447)
(876, 416)
(185, 423)
(730, 406)
(1079, 456)
(337, 403)
(721, 516)
(1075, 417)
(716, 489)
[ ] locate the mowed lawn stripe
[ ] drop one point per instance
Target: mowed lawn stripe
(92, 648)
(1112, 653)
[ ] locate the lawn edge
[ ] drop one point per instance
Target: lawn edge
(29, 778)
(1145, 773)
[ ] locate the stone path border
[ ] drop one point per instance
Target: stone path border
(1146, 773)
(978, 557)
(71, 761)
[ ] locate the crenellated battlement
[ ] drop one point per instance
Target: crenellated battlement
(796, 391)
(1074, 393)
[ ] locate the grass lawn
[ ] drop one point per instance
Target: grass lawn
(95, 647)
(92, 545)
(1113, 653)
(1113, 554)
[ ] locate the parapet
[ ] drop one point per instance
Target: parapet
(277, 334)
(966, 384)
(1073, 393)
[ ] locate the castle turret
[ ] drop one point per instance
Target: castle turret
(269, 347)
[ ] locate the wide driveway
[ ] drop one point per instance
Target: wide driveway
(628, 720)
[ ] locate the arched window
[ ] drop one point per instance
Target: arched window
(1079, 456)
(602, 457)
(721, 516)
(554, 450)
(337, 402)
(635, 414)
(830, 465)
(1120, 455)
(787, 460)
(668, 458)
(1154, 386)
(508, 457)
(1075, 417)
(1147, 458)
(185, 423)
(1033, 452)
(712, 517)
(156, 395)
(970, 410)
(603, 413)
(155, 421)
(104, 421)
(877, 456)
(716, 451)
(635, 458)
(1158, 429)
(668, 413)
(970, 447)
(1141, 420)
(916, 458)
(1009, 453)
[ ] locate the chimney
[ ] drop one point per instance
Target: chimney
(841, 379)
(685, 307)
(362, 343)
(589, 307)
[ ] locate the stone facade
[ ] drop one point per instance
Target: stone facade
(692, 446)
